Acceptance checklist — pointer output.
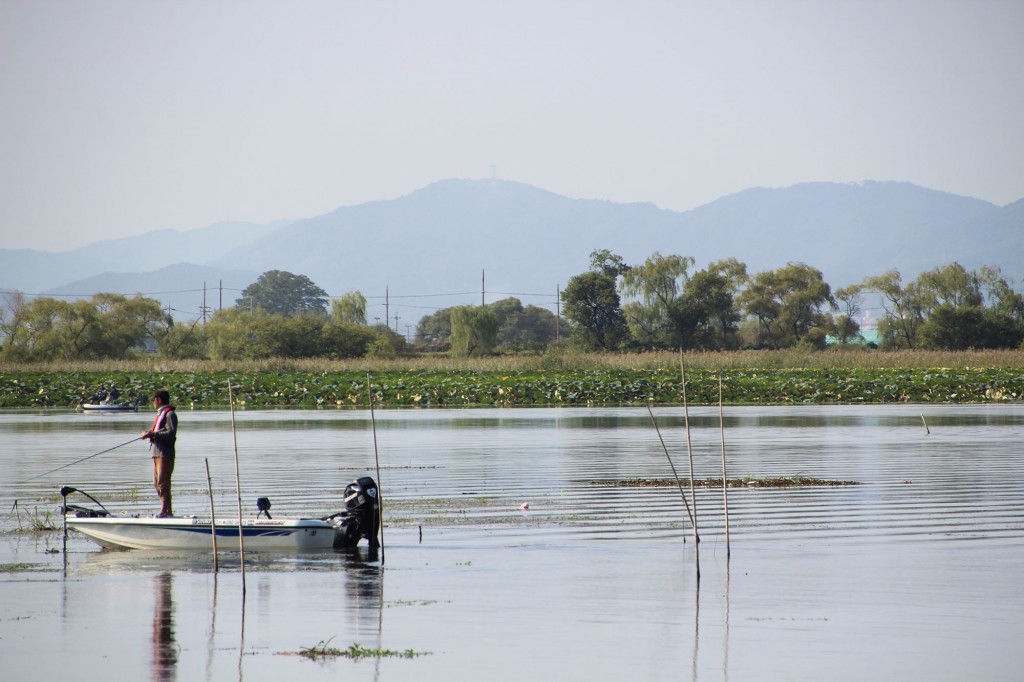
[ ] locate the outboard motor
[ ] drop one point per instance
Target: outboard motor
(361, 516)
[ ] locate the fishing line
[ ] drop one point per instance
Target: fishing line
(79, 461)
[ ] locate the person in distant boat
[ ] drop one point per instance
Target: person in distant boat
(161, 436)
(101, 395)
(112, 396)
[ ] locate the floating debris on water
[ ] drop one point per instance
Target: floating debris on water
(774, 482)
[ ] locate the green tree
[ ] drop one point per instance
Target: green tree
(231, 334)
(591, 302)
(949, 285)
(182, 341)
(788, 304)
(945, 308)
(706, 316)
(657, 317)
(474, 331)
(850, 301)
(969, 327)
(507, 311)
(124, 324)
(608, 263)
(522, 328)
(956, 316)
(283, 293)
(903, 309)
(349, 309)
(435, 329)
(345, 340)
(1002, 295)
(106, 326)
(280, 336)
(532, 329)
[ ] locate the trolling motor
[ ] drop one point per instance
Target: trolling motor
(82, 512)
(263, 505)
(361, 518)
(79, 511)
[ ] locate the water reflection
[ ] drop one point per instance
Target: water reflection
(364, 588)
(165, 647)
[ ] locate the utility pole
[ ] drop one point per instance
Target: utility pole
(483, 288)
(204, 303)
(220, 298)
(396, 323)
(387, 305)
(558, 310)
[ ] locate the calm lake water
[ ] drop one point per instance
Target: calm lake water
(913, 574)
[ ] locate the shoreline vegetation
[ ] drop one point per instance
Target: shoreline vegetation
(785, 377)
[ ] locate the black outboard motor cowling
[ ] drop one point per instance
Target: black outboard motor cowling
(362, 514)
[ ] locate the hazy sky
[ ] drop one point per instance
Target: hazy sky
(120, 117)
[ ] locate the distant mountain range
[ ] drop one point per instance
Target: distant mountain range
(447, 243)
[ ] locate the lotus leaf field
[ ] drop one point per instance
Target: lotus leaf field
(536, 388)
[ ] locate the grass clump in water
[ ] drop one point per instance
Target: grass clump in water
(35, 522)
(356, 652)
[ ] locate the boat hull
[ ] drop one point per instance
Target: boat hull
(113, 407)
(194, 533)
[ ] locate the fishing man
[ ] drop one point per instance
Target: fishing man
(161, 437)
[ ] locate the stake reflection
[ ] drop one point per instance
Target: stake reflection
(165, 647)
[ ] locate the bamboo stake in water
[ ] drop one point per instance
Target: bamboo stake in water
(376, 457)
(213, 517)
(238, 488)
(926, 429)
(675, 475)
(725, 476)
(689, 453)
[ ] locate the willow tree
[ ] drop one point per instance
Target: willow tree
(349, 308)
(656, 285)
(107, 326)
(789, 305)
(474, 331)
(706, 315)
(903, 309)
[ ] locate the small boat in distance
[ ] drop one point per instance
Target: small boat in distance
(111, 407)
(360, 519)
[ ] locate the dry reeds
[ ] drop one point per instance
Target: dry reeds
(699, 361)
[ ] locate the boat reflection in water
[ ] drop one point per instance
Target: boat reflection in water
(165, 648)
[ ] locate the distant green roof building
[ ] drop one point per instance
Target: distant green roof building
(867, 337)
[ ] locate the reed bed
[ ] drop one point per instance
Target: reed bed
(658, 360)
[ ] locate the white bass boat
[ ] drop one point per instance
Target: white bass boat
(344, 529)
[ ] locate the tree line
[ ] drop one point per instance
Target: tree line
(660, 303)
(722, 307)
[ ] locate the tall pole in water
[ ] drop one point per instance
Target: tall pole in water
(689, 452)
(376, 457)
(238, 488)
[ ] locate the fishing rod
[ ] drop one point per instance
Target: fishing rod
(79, 461)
